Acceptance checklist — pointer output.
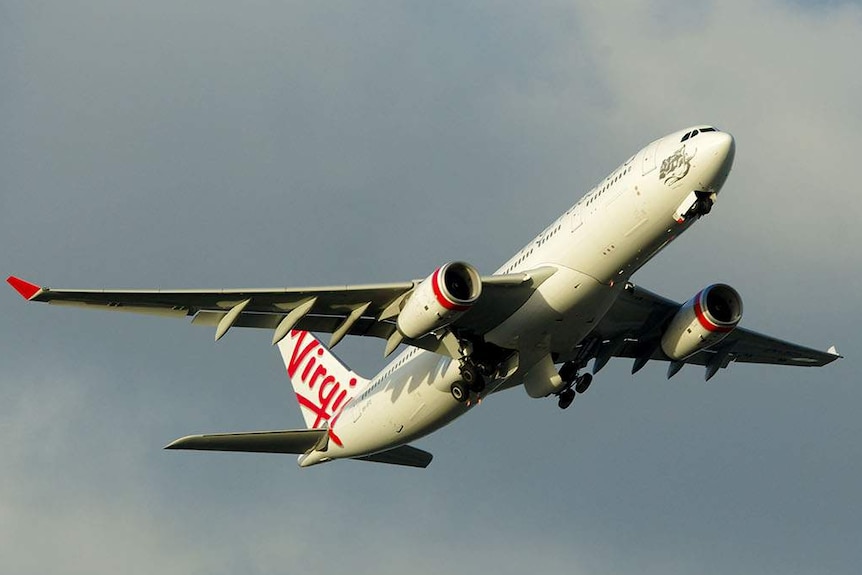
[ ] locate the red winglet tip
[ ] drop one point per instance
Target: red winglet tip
(25, 288)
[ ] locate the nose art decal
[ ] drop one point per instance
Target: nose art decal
(675, 167)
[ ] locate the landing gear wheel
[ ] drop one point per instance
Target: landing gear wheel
(472, 377)
(704, 205)
(459, 392)
(567, 396)
(583, 383)
(469, 374)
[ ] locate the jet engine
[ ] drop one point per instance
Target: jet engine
(440, 299)
(702, 321)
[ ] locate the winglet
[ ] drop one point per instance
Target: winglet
(25, 288)
(834, 351)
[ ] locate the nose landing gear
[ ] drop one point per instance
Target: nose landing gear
(702, 206)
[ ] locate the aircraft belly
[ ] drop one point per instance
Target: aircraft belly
(599, 258)
(564, 309)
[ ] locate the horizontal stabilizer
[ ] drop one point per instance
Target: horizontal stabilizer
(404, 455)
(296, 441)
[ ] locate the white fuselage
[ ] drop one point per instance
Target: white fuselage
(595, 246)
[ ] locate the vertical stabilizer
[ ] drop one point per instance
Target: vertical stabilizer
(323, 384)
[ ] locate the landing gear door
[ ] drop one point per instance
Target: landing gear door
(649, 154)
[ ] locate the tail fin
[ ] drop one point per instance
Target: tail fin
(323, 384)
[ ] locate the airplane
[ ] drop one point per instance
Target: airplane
(563, 300)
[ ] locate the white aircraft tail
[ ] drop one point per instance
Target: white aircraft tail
(323, 384)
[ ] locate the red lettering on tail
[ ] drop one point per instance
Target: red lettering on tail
(304, 367)
(297, 357)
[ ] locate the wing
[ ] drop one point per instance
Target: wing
(635, 323)
(364, 310)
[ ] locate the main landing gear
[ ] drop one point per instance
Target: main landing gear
(460, 392)
(472, 381)
(566, 397)
(574, 384)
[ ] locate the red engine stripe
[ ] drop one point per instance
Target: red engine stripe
(441, 297)
(705, 321)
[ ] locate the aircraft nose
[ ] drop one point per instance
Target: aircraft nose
(722, 149)
(723, 146)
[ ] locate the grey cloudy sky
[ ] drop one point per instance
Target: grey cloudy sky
(271, 143)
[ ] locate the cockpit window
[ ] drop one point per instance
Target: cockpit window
(693, 133)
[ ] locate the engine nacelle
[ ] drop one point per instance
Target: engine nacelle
(440, 299)
(702, 321)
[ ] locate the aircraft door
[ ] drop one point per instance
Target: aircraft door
(649, 154)
(573, 216)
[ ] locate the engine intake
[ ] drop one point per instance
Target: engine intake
(702, 321)
(440, 299)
